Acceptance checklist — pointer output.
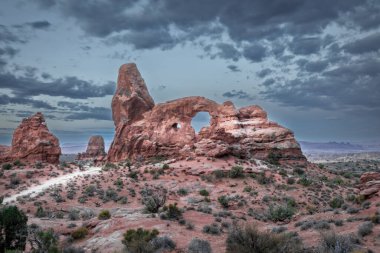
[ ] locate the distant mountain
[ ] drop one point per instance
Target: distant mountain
(331, 147)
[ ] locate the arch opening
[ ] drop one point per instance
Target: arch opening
(176, 126)
(200, 120)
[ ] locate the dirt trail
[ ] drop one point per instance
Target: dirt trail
(34, 190)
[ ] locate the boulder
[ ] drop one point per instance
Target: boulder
(33, 142)
(369, 184)
(95, 149)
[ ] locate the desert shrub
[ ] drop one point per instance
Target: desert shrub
(204, 209)
(305, 181)
(337, 181)
(322, 225)
(204, 192)
(90, 190)
(72, 249)
(139, 241)
(212, 229)
(171, 212)
(263, 179)
(38, 165)
(333, 243)
(40, 212)
(336, 202)
(42, 240)
(274, 158)
(153, 198)
(250, 240)
(104, 215)
(29, 174)
(79, 233)
(134, 175)
(18, 163)
(236, 172)
(219, 174)
(109, 194)
(13, 228)
(163, 243)
(74, 214)
(290, 180)
(14, 181)
(182, 192)
(7, 166)
(279, 229)
(1, 173)
(165, 166)
(224, 201)
(298, 171)
(365, 229)
(280, 213)
(199, 246)
(189, 225)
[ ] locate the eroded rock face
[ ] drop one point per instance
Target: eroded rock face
(32, 142)
(148, 130)
(369, 184)
(95, 149)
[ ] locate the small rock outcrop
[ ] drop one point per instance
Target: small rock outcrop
(369, 184)
(95, 149)
(32, 142)
(144, 129)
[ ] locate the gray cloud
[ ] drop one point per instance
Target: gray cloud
(255, 53)
(43, 24)
(71, 87)
(79, 111)
(239, 94)
(233, 68)
(263, 73)
(6, 100)
(371, 43)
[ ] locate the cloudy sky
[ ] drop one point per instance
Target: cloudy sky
(314, 66)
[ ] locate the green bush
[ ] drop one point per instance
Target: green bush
(13, 229)
(79, 233)
(336, 202)
(171, 212)
(333, 243)
(42, 240)
(274, 158)
(219, 174)
(261, 178)
(40, 212)
(153, 199)
(104, 215)
(7, 166)
(199, 246)
(250, 240)
(139, 240)
(204, 193)
(365, 229)
(182, 192)
(236, 172)
(224, 201)
(305, 181)
(280, 213)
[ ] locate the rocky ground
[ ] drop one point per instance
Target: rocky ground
(211, 196)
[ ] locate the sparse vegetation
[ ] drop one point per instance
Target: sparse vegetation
(79, 233)
(199, 246)
(236, 172)
(104, 215)
(249, 239)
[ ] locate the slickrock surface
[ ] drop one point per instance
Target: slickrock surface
(32, 142)
(95, 149)
(147, 130)
(369, 184)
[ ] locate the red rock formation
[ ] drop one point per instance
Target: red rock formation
(95, 149)
(4, 149)
(369, 184)
(33, 142)
(148, 130)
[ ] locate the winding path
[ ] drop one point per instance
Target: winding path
(34, 190)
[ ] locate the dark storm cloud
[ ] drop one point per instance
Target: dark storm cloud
(9, 36)
(315, 66)
(8, 51)
(81, 112)
(255, 53)
(352, 85)
(247, 21)
(39, 24)
(6, 100)
(305, 46)
(233, 68)
(371, 43)
(263, 73)
(71, 87)
(239, 94)
(228, 51)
